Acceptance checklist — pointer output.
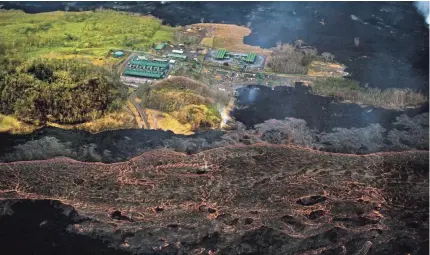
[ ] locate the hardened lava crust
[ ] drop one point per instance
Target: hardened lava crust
(259, 199)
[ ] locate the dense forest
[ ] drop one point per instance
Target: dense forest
(60, 91)
(187, 100)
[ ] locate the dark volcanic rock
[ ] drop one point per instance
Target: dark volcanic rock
(117, 215)
(41, 227)
(383, 131)
(252, 200)
(311, 200)
(316, 214)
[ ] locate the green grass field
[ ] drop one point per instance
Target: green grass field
(80, 34)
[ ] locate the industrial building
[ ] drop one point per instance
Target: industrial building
(221, 54)
(179, 56)
(147, 68)
(160, 46)
(224, 54)
(250, 58)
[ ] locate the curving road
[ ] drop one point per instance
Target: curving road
(140, 110)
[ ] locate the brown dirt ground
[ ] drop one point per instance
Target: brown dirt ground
(323, 69)
(231, 37)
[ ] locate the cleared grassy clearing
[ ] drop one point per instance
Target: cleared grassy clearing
(83, 34)
(165, 121)
(325, 69)
(208, 42)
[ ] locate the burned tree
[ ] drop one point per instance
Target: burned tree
(298, 43)
(327, 56)
(287, 59)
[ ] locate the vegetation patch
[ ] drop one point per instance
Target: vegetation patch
(188, 101)
(58, 91)
(346, 89)
(121, 119)
(208, 42)
(165, 121)
(92, 33)
(13, 125)
(302, 59)
(51, 67)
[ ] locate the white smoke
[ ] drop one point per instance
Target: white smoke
(252, 95)
(223, 111)
(423, 9)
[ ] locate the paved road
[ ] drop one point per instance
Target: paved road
(139, 109)
(123, 64)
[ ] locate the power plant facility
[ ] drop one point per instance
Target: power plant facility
(147, 67)
(155, 69)
(223, 54)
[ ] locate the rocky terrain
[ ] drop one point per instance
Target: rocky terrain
(403, 133)
(258, 199)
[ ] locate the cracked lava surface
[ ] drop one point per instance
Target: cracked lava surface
(259, 199)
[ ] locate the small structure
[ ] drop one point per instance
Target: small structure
(118, 54)
(250, 58)
(178, 51)
(179, 56)
(160, 60)
(172, 61)
(160, 46)
(221, 54)
(141, 58)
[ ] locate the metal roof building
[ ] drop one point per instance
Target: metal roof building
(118, 54)
(146, 68)
(250, 58)
(221, 54)
(144, 62)
(181, 56)
(160, 46)
(144, 73)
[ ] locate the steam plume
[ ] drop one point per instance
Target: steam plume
(423, 9)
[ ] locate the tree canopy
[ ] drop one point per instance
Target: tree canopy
(187, 100)
(55, 90)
